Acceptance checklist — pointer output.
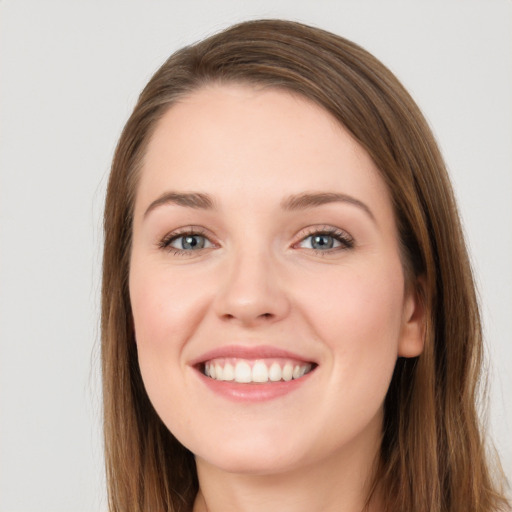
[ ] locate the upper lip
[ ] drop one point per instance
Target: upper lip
(248, 352)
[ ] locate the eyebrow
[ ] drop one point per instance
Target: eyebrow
(201, 201)
(312, 199)
(195, 200)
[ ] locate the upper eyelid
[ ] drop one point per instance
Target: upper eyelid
(187, 230)
(323, 229)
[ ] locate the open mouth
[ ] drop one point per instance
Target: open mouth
(255, 371)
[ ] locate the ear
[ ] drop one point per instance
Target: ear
(412, 336)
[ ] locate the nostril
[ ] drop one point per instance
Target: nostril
(249, 319)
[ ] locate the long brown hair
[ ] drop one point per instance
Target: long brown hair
(433, 455)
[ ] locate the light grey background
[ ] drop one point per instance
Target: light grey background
(70, 72)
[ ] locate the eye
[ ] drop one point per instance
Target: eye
(190, 242)
(327, 240)
(320, 242)
(185, 242)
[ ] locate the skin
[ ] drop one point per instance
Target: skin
(259, 281)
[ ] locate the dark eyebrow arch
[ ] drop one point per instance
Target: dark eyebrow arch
(187, 199)
(312, 199)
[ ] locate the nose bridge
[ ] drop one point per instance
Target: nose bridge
(251, 290)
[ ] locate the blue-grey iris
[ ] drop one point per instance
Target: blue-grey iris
(322, 242)
(192, 242)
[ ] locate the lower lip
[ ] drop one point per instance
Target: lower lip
(253, 392)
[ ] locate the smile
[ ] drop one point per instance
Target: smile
(247, 371)
(254, 373)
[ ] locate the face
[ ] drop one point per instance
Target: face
(266, 283)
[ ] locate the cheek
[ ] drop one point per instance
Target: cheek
(357, 301)
(360, 321)
(165, 307)
(166, 310)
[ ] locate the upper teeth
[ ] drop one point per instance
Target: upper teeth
(245, 371)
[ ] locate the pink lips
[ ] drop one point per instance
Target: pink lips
(243, 352)
(249, 392)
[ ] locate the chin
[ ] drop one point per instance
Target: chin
(249, 463)
(252, 455)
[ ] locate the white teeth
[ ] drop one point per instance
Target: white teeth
(275, 374)
(243, 372)
(287, 372)
(229, 372)
(259, 372)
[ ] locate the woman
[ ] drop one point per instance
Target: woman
(289, 317)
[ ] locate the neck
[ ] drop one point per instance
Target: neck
(340, 483)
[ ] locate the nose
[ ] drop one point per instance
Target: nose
(252, 291)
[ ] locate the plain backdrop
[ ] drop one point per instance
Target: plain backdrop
(70, 73)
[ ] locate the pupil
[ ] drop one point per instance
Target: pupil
(322, 242)
(192, 242)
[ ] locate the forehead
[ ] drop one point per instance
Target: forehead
(255, 144)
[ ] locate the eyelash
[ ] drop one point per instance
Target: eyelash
(165, 243)
(346, 241)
